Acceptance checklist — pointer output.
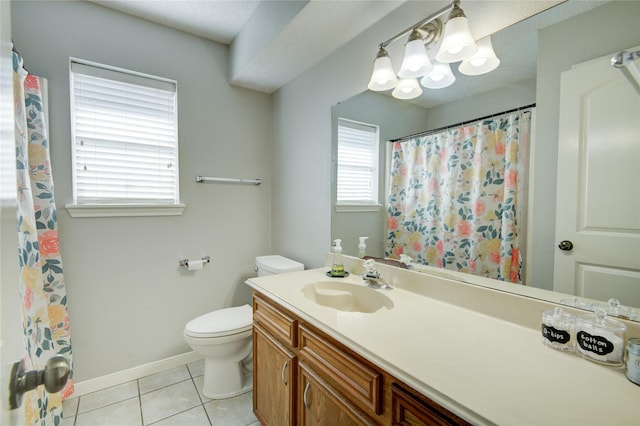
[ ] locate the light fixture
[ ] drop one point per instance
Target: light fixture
(416, 63)
(383, 77)
(483, 61)
(407, 88)
(440, 77)
(457, 43)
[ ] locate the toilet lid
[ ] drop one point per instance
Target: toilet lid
(222, 322)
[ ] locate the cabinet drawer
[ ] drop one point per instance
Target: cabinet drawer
(355, 379)
(413, 410)
(277, 322)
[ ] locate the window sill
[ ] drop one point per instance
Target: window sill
(356, 208)
(122, 210)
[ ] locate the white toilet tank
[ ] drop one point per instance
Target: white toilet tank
(270, 265)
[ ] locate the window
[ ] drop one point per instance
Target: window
(357, 163)
(125, 141)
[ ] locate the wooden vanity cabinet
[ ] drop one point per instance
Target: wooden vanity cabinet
(301, 376)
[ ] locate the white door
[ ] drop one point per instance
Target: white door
(11, 346)
(598, 203)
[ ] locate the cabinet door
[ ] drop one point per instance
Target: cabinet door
(274, 374)
(320, 404)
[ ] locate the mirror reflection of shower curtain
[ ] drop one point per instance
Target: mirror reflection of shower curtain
(457, 197)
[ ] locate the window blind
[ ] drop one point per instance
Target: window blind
(125, 146)
(357, 180)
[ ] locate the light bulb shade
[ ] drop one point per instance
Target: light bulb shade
(483, 61)
(407, 88)
(416, 63)
(383, 77)
(441, 76)
(457, 43)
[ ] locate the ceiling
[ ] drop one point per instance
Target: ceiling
(215, 20)
(273, 41)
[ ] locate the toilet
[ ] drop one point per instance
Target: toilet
(223, 338)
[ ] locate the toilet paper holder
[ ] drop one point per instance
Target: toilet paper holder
(185, 262)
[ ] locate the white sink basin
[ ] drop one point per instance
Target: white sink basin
(346, 297)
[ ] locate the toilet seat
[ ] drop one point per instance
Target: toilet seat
(223, 322)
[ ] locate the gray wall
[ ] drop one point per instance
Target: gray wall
(128, 299)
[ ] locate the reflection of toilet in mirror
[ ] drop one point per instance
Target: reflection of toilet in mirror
(223, 338)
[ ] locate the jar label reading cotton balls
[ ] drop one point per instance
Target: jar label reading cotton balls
(596, 344)
(601, 339)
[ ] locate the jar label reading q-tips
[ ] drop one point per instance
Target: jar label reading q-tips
(554, 335)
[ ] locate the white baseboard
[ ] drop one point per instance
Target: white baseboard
(99, 383)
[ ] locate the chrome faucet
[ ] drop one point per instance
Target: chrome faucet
(372, 277)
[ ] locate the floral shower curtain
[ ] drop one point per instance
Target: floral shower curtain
(42, 290)
(456, 197)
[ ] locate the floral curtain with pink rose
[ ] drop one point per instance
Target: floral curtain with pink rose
(456, 197)
(44, 301)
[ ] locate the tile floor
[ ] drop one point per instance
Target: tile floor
(169, 398)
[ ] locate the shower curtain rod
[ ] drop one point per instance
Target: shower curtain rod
(439, 129)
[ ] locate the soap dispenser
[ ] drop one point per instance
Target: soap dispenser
(362, 247)
(337, 268)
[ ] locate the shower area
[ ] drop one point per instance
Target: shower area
(457, 196)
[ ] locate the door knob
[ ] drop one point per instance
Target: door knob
(565, 245)
(53, 377)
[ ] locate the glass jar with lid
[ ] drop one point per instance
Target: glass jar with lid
(558, 329)
(600, 338)
(633, 360)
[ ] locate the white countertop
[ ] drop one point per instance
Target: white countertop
(482, 368)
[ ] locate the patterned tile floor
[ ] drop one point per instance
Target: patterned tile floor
(169, 398)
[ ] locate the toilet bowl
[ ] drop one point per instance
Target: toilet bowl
(223, 338)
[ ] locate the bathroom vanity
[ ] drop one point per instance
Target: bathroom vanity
(429, 351)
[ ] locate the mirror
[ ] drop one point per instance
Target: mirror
(521, 79)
